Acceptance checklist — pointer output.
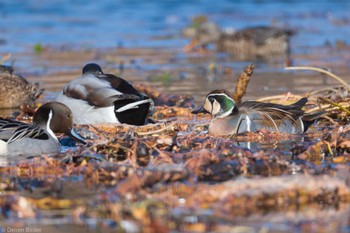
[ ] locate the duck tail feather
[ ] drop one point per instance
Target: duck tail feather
(300, 103)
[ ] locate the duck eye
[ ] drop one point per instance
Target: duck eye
(211, 99)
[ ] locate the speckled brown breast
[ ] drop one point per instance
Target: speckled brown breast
(254, 42)
(15, 91)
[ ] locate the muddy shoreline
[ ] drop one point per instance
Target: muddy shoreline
(172, 71)
(187, 180)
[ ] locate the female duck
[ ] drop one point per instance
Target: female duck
(15, 90)
(96, 97)
(251, 116)
(21, 139)
(247, 43)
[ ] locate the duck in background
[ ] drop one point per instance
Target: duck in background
(21, 139)
(16, 91)
(96, 97)
(248, 43)
(230, 119)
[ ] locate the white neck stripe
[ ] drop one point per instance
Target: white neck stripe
(48, 129)
(249, 123)
(223, 94)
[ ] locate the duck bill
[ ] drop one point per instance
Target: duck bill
(191, 46)
(74, 135)
(200, 110)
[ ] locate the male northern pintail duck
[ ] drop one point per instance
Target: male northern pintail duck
(96, 97)
(260, 41)
(251, 116)
(15, 90)
(21, 139)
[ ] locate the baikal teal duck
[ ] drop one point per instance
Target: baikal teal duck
(230, 119)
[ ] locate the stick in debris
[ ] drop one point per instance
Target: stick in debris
(323, 71)
(242, 83)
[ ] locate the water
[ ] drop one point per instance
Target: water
(109, 23)
(85, 24)
(63, 25)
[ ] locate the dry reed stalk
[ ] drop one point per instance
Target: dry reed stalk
(242, 83)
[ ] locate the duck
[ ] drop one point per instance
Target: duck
(15, 90)
(96, 97)
(247, 43)
(22, 139)
(251, 116)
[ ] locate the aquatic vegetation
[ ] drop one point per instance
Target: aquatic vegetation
(38, 48)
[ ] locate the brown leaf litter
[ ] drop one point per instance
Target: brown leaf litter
(174, 176)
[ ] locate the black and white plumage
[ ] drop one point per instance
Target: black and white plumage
(96, 97)
(21, 139)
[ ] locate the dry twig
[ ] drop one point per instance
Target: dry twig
(242, 83)
(336, 105)
(323, 71)
(279, 97)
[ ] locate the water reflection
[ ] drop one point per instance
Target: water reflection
(284, 146)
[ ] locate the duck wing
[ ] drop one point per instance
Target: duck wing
(11, 130)
(8, 127)
(9, 123)
(96, 91)
(294, 110)
(119, 84)
(273, 115)
(28, 131)
(260, 34)
(142, 106)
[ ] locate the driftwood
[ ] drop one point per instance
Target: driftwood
(242, 83)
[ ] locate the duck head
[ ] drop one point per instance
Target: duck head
(218, 103)
(205, 33)
(56, 117)
(6, 69)
(35, 92)
(92, 68)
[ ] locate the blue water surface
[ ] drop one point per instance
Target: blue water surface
(82, 24)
